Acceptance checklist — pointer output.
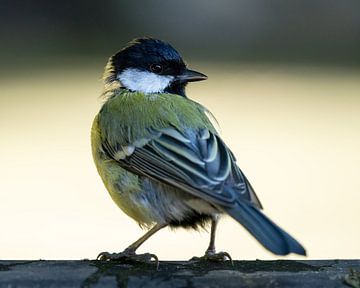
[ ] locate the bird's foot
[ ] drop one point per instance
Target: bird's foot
(129, 256)
(213, 257)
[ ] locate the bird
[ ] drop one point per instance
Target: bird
(161, 157)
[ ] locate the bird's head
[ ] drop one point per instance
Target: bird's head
(150, 66)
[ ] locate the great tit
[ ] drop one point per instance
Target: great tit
(162, 160)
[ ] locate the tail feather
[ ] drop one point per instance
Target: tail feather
(264, 230)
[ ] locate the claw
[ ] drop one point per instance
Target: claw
(227, 255)
(156, 260)
(129, 256)
(103, 256)
(214, 257)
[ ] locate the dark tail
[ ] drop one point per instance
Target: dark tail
(271, 236)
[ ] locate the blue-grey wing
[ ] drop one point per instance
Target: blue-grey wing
(197, 162)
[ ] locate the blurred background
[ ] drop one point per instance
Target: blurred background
(284, 84)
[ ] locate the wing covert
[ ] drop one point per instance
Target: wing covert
(197, 162)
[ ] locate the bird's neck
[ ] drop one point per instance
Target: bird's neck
(112, 86)
(176, 88)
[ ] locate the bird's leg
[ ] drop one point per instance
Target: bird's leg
(210, 254)
(211, 249)
(129, 253)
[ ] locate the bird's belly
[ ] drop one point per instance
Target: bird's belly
(174, 206)
(148, 201)
(124, 190)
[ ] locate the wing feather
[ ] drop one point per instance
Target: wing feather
(197, 162)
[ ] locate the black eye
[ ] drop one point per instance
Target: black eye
(156, 68)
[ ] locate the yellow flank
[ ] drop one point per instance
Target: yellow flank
(123, 186)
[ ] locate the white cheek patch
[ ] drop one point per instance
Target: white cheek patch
(144, 81)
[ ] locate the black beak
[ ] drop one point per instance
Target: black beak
(190, 76)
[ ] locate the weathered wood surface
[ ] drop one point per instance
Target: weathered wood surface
(280, 273)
